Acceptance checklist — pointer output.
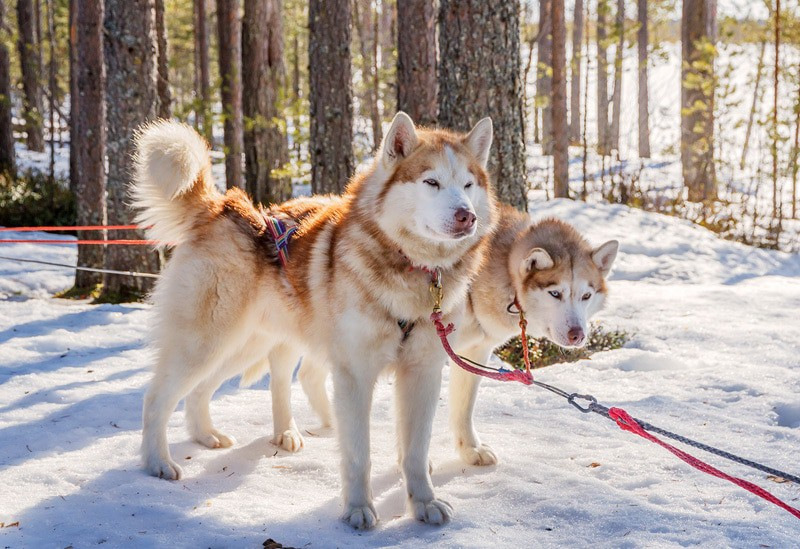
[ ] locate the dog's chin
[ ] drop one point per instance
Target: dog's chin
(448, 236)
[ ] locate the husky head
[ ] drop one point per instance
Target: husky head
(431, 189)
(560, 280)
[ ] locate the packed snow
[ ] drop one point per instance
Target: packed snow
(713, 355)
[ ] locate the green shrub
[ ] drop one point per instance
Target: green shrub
(32, 199)
(544, 352)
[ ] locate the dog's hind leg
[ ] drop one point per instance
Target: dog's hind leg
(198, 413)
(463, 394)
(173, 380)
(417, 394)
(283, 360)
(312, 377)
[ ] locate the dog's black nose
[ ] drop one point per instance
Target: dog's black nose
(575, 335)
(464, 219)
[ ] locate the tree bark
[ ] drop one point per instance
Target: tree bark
(164, 93)
(387, 45)
(229, 26)
(52, 81)
(479, 75)
(366, 18)
(417, 85)
(31, 75)
(131, 100)
(776, 199)
(575, 74)
(544, 59)
(331, 96)
(73, 94)
(203, 87)
(89, 137)
(698, 36)
(644, 87)
(616, 102)
(602, 79)
(560, 141)
(265, 145)
(8, 162)
(754, 104)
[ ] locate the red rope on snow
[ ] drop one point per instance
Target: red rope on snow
(88, 242)
(627, 423)
(71, 228)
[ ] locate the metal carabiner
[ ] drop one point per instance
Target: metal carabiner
(592, 401)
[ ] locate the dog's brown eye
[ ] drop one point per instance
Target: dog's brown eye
(586, 296)
(432, 183)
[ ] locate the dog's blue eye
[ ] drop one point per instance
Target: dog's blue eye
(555, 294)
(468, 185)
(587, 296)
(432, 183)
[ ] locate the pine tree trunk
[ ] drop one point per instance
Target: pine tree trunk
(131, 100)
(479, 75)
(575, 74)
(560, 141)
(203, 88)
(417, 85)
(602, 79)
(754, 105)
(8, 162)
(644, 87)
(387, 44)
(331, 96)
(31, 75)
(375, 111)
(368, 46)
(89, 137)
(164, 93)
(616, 102)
(698, 28)
(229, 26)
(544, 60)
(73, 93)
(776, 198)
(265, 145)
(52, 82)
(795, 153)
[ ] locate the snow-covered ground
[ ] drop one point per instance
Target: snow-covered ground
(714, 355)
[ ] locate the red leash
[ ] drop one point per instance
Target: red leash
(627, 423)
(121, 242)
(71, 228)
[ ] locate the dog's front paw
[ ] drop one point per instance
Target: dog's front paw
(290, 440)
(434, 511)
(361, 517)
(215, 439)
(164, 468)
(481, 454)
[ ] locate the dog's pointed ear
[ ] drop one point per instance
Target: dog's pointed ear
(604, 255)
(537, 259)
(400, 140)
(479, 140)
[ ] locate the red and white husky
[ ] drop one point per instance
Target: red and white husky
(356, 274)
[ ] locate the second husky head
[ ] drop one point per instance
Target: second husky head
(560, 280)
(432, 190)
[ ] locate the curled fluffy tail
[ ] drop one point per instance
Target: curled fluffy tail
(173, 185)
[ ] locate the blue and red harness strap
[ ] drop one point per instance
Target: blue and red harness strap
(282, 234)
